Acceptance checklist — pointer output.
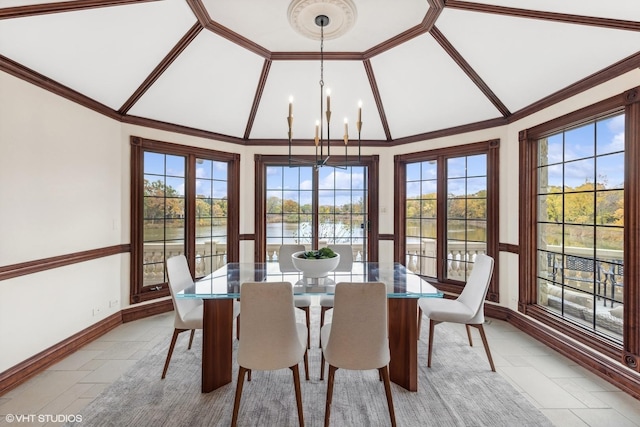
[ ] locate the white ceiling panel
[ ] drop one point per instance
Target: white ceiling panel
(104, 53)
(268, 23)
(348, 83)
(524, 60)
(627, 10)
(422, 89)
(211, 86)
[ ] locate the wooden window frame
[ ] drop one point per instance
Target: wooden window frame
(261, 163)
(629, 352)
(138, 292)
(492, 149)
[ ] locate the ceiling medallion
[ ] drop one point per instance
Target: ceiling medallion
(342, 16)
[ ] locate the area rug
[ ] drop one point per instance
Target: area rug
(458, 390)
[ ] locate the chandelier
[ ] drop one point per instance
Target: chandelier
(322, 144)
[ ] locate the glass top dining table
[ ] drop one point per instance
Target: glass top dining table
(225, 282)
(220, 288)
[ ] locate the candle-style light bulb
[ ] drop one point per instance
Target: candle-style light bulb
(328, 99)
(317, 138)
(346, 131)
(290, 106)
(359, 111)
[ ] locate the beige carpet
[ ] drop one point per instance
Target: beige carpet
(458, 390)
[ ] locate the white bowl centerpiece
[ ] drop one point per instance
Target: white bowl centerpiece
(315, 264)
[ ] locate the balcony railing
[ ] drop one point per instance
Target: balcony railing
(210, 255)
(421, 257)
(273, 250)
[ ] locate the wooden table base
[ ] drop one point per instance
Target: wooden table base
(403, 342)
(217, 343)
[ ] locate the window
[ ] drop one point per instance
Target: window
(313, 206)
(181, 199)
(580, 200)
(447, 211)
(581, 224)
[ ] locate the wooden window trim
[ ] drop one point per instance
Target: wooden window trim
(629, 102)
(492, 149)
(138, 293)
(260, 164)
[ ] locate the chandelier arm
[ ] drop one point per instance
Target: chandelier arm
(320, 159)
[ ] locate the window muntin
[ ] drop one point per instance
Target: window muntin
(466, 217)
(181, 197)
(289, 204)
(342, 201)
(580, 224)
(448, 211)
(421, 216)
(307, 205)
(164, 214)
(211, 214)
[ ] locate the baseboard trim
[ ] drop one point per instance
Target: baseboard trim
(32, 366)
(598, 363)
(141, 311)
(18, 374)
(608, 369)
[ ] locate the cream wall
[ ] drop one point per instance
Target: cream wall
(60, 192)
(64, 187)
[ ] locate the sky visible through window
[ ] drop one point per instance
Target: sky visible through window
(592, 150)
(300, 178)
(174, 167)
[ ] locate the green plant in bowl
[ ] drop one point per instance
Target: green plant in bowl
(322, 253)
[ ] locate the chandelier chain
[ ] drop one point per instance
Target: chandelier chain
(321, 56)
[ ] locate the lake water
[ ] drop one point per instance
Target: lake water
(276, 233)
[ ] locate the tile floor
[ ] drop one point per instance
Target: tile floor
(566, 393)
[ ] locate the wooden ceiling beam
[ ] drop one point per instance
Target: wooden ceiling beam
(161, 67)
(617, 24)
(376, 95)
(66, 6)
(424, 27)
(469, 71)
(262, 82)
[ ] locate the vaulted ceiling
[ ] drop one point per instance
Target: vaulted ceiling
(226, 69)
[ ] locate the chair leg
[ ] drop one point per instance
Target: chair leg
(323, 310)
(327, 408)
(238, 327)
(419, 321)
(193, 332)
(306, 366)
(308, 316)
(486, 345)
(171, 346)
(296, 385)
(384, 372)
(236, 403)
(469, 335)
(321, 365)
(432, 324)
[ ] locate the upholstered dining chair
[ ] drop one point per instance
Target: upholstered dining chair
(467, 309)
(188, 312)
(303, 302)
(270, 339)
(357, 337)
(346, 264)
